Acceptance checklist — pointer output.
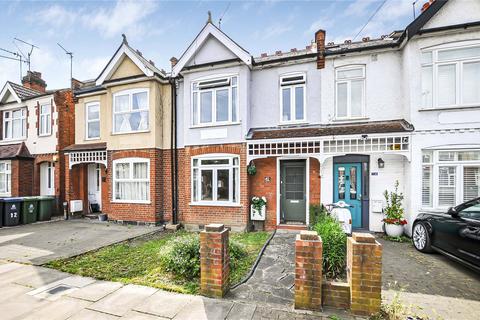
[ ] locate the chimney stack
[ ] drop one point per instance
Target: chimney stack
(33, 80)
(173, 61)
(320, 41)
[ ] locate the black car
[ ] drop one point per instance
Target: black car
(455, 233)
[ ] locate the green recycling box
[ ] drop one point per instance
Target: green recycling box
(45, 207)
(29, 210)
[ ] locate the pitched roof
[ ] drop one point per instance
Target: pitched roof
(147, 66)
(211, 29)
(390, 126)
(87, 146)
(23, 92)
(15, 151)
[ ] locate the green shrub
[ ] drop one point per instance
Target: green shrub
(317, 212)
(334, 245)
(182, 256)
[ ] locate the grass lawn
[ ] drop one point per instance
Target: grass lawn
(138, 261)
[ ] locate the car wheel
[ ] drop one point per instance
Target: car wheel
(421, 238)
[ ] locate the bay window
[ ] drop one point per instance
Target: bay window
(130, 111)
(93, 120)
(451, 76)
(292, 97)
(450, 177)
(216, 179)
(5, 178)
(45, 128)
(350, 92)
(215, 101)
(131, 180)
(15, 124)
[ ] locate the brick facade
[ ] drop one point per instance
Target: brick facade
(264, 183)
(22, 171)
(336, 294)
(197, 216)
(154, 212)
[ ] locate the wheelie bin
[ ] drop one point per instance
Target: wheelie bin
(29, 210)
(11, 211)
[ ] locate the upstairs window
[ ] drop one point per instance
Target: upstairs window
(292, 97)
(45, 128)
(15, 124)
(350, 92)
(130, 111)
(215, 101)
(93, 120)
(451, 77)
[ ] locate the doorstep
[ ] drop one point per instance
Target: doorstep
(291, 227)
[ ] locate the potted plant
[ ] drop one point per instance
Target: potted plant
(258, 208)
(251, 169)
(394, 220)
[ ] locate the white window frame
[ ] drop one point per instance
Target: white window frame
(8, 178)
(293, 108)
(348, 81)
(215, 167)
(459, 166)
(88, 121)
(131, 161)
(48, 115)
(196, 90)
(434, 64)
(23, 119)
(130, 93)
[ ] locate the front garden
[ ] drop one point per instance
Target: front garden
(169, 261)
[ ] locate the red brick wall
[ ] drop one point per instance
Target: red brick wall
(264, 183)
(234, 216)
(22, 177)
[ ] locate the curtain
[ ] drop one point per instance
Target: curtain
(447, 84)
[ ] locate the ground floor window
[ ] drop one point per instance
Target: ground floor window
(216, 179)
(450, 177)
(131, 180)
(5, 178)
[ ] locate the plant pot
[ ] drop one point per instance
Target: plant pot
(255, 215)
(102, 217)
(393, 230)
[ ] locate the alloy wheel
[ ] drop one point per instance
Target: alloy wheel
(419, 236)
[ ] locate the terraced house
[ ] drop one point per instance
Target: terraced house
(331, 122)
(36, 126)
(119, 163)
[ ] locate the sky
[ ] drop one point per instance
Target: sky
(161, 29)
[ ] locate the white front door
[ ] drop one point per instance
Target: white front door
(94, 184)
(47, 179)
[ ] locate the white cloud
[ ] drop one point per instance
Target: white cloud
(89, 68)
(359, 7)
(322, 23)
(56, 16)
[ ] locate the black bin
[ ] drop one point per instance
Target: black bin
(1, 212)
(11, 211)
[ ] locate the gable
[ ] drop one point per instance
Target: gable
(8, 97)
(210, 51)
(126, 68)
(455, 12)
(8, 94)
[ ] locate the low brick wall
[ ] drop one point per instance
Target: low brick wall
(336, 294)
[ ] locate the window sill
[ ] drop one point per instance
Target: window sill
(289, 123)
(131, 202)
(5, 194)
(449, 108)
(199, 126)
(45, 135)
(92, 139)
(215, 204)
(14, 140)
(129, 132)
(340, 120)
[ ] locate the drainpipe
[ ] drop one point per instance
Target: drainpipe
(173, 149)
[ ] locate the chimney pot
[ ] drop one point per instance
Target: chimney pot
(173, 61)
(139, 53)
(278, 52)
(151, 62)
(425, 6)
(33, 80)
(331, 43)
(264, 55)
(366, 39)
(293, 50)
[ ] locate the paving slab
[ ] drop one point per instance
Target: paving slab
(134, 315)
(201, 308)
(11, 290)
(87, 314)
(121, 301)
(164, 304)
(41, 277)
(96, 290)
(58, 310)
(16, 274)
(6, 266)
(72, 281)
(39, 243)
(241, 311)
(19, 306)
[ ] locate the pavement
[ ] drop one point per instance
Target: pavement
(33, 292)
(39, 243)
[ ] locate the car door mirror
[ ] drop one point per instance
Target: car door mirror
(453, 212)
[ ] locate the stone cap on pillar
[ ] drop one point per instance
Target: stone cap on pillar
(214, 227)
(308, 236)
(363, 237)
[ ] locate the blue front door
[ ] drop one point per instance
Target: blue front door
(347, 184)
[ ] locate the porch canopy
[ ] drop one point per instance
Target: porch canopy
(87, 153)
(324, 141)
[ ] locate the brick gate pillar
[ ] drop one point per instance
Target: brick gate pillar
(364, 272)
(214, 261)
(308, 271)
